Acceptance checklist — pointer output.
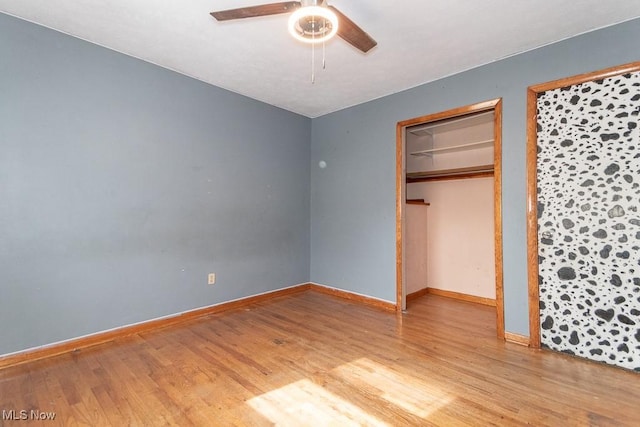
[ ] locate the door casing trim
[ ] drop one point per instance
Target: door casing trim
(496, 106)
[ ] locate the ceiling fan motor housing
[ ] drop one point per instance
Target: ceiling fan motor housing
(305, 3)
(312, 27)
(313, 22)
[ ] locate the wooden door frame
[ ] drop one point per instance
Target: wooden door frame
(532, 182)
(494, 105)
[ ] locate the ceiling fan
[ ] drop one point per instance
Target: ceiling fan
(312, 21)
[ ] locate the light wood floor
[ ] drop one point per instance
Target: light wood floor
(313, 359)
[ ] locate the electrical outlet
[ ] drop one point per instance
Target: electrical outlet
(212, 278)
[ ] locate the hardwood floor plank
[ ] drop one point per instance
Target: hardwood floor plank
(314, 359)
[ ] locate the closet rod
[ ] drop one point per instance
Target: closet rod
(443, 174)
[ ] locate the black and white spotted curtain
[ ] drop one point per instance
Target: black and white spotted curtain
(588, 169)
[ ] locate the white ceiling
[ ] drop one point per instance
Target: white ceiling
(418, 41)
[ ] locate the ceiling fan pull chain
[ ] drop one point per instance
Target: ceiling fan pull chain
(313, 65)
(313, 51)
(324, 63)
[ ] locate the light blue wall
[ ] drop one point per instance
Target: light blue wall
(123, 184)
(353, 198)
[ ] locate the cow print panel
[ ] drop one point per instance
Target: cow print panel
(588, 167)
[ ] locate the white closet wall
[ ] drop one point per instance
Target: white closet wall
(417, 220)
(460, 242)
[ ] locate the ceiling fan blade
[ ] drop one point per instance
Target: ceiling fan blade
(260, 10)
(353, 34)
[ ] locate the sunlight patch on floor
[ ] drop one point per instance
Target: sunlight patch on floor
(404, 391)
(306, 403)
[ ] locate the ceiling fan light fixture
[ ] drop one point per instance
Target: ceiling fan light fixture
(313, 24)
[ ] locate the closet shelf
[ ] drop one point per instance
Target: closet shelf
(419, 202)
(455, 123)
(454, 148)
(459, 173)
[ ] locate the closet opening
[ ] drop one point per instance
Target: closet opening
(449, 207)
